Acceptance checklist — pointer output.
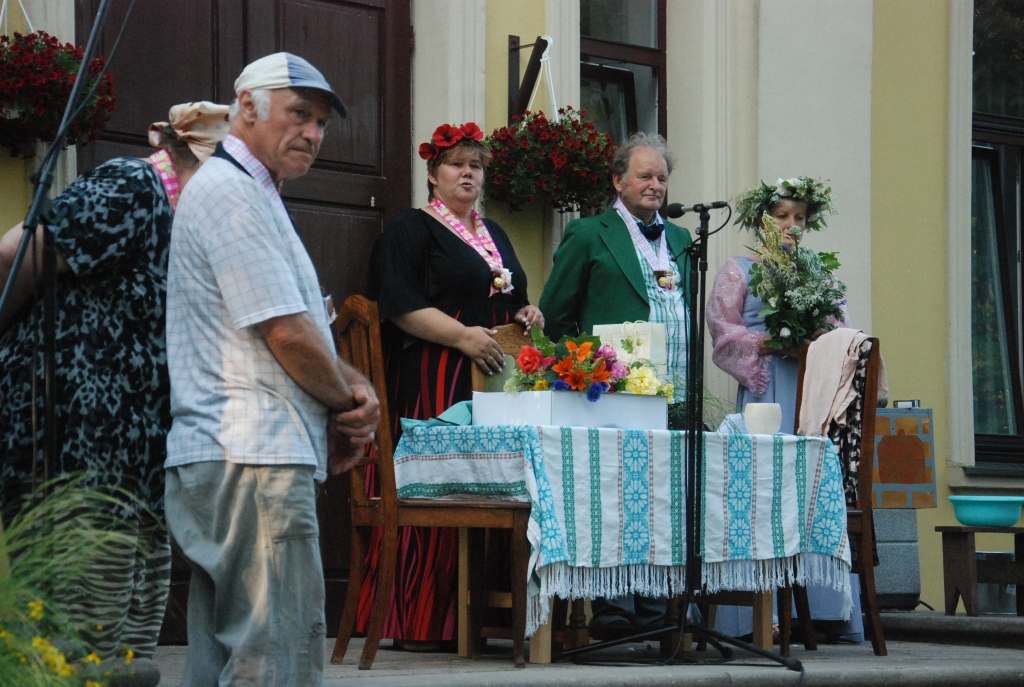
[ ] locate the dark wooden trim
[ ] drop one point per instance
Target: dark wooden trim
(513, 74)
(398, 94)
(995, 469)
(591, 47)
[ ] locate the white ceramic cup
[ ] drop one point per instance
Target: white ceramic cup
(762, 418)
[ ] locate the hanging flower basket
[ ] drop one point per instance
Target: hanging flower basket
(37, 73)
(565, 162)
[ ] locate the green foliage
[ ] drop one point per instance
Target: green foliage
(44, 554)
(798, 288)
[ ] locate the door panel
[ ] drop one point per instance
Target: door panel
(174, 51)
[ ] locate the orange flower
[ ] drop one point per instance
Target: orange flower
(600, 373)
(582, 351)
(565, 367)
(577, 379)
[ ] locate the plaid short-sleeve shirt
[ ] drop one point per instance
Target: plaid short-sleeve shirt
(235, 261)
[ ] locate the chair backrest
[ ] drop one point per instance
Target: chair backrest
(511, 338)
(856, 442)
(358, 341)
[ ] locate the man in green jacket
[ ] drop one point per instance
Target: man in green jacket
(624, 266)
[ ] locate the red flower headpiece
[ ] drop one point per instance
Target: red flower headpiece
(446, 136)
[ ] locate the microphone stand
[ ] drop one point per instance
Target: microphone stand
(697, 255)
(42, 209)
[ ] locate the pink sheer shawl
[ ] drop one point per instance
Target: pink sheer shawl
(736, 346)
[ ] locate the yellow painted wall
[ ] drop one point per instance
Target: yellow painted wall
(908, 242)
(526, 19)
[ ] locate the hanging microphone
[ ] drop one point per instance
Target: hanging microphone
(678, 209)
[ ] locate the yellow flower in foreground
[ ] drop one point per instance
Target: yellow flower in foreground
(667, 390)
(128, 657)
(40, 643)
(35, 610)
(642, 380)
(92, 683)
(541, 385)
(92, 658)
(4, 634)
(99, 627)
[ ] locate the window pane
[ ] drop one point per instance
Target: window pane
(594, 98)
(999, 57)
(993, 394)
(623, 21)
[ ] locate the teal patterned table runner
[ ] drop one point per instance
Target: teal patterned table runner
(607, 512)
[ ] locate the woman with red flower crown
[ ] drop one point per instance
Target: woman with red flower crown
(442, 277)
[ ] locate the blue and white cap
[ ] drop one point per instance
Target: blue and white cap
(284, 70)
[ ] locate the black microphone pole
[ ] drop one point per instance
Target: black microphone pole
(40, 209)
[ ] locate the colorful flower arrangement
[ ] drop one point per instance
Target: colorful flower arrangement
(582, 364)
(37, 74)
(447, 135)
(799, 290)
(564, 161)
(759, 200)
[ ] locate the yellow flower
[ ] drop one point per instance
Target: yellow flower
(40, 643)
(667, 389)
(541, 385)
(35, 610)
(4, 634)
(642, 380)
(92, 683)
(92, 658)
(99, 627)
(128, 657)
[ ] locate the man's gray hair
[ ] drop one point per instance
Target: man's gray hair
(260, 98)
(620, 162)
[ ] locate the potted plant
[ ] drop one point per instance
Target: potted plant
(565, 162)
(37, 73)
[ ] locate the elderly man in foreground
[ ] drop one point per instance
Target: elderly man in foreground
(618, 267)
(254, 381)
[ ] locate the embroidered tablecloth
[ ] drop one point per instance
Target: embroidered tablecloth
(608, 515)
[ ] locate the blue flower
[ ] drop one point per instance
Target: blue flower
(559, 385)
(595, 391)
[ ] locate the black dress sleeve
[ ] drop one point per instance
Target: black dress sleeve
(104, 219)
(398, 274)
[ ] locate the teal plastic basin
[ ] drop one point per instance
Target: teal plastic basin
(987, 511)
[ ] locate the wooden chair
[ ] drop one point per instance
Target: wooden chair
(358, 341)
(860, 522)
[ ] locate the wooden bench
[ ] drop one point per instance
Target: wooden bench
(962, 571)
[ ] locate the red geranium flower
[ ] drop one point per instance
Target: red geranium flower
(447, 135)
(529, 359)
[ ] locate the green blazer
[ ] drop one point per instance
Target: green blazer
(596, 278)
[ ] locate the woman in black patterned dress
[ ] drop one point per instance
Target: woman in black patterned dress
(112, 231)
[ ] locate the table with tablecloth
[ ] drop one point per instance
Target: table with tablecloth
(608, 505)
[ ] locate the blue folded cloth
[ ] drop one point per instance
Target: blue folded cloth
(459, 414)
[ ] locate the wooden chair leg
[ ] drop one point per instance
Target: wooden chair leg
(385, 587)
(520, 565)
(578, 631)
(803, 615)
(559, 611)
(357, 574)
(869, 601)
(478, 589)
(784, 609)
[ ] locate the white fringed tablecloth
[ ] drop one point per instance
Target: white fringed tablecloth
(608, 514)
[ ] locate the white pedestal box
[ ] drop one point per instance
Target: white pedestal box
(570, 409)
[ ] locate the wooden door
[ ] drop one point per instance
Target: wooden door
(176, 51)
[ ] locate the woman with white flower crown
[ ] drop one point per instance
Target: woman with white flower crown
(742, 346)
(767, 371)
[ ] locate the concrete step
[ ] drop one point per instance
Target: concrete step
(938, 628)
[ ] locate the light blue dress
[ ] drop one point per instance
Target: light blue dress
(783, 369)
(825, 602)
